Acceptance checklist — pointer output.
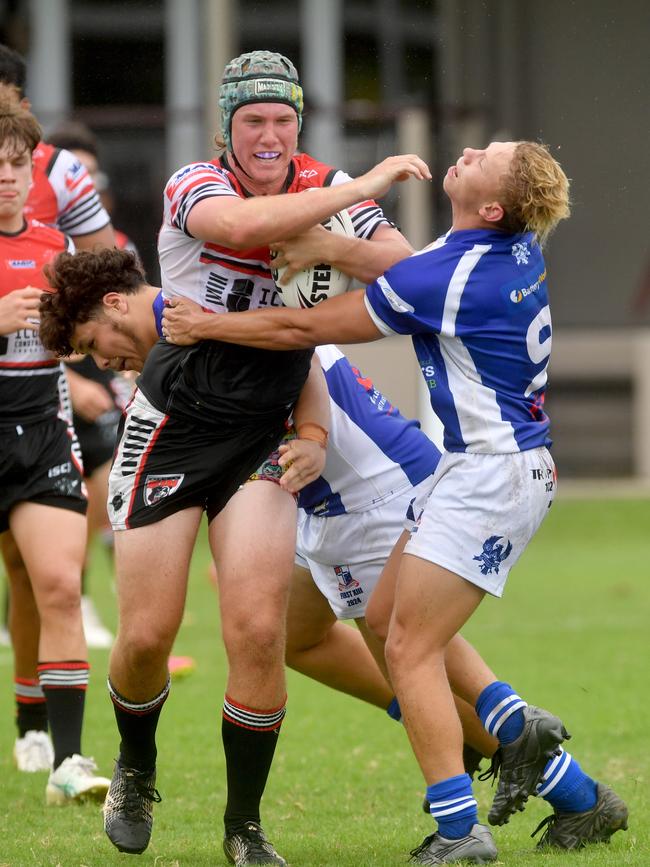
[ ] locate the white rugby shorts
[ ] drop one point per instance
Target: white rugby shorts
(482, 512)
(346, 553)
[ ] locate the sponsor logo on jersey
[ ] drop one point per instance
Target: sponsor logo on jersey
(521, 253)
(76, 168)
(157, 488)
(493, 555)
(397, 303)
(518, 295)
(346, 581)
(22, 263)
(308, 173)
(429, 374)
(179, 175)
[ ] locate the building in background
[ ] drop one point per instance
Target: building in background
(383, 76)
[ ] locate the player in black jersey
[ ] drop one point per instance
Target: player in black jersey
(201, 421)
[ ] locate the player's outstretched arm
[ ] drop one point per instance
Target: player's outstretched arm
(362, 259)
(244, 223)
(339, 320)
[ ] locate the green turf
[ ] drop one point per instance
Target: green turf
(572, 634)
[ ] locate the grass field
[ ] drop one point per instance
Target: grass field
(571, 634)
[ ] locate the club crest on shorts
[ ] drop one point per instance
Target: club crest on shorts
(493, 555)
(157, 488)
(346, 581)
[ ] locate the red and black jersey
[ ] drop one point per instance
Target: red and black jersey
(219, 278)
(63, 194)
(28, 372)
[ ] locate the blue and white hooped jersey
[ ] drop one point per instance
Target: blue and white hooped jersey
(476, 305)
(373, 454)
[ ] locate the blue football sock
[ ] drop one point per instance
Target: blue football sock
(566, 786)
(501, 711)
(453, 806)
(394, 711)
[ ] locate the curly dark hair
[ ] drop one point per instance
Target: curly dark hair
(80, 282)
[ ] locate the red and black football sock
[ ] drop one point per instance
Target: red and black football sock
(137, 723)
(31, 709)
(64, 685)
(249, 740)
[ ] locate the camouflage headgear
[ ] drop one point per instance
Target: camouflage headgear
(260, 76)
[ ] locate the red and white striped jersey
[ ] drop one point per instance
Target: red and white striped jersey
(219, 278)
(62, 193)
(28, 372)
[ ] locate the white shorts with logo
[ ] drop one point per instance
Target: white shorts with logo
(482, 512)
(346, 553)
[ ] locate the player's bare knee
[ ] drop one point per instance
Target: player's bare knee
(58, 595)
(260, 640)
(144, 646)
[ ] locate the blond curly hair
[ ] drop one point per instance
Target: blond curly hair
(535, 192)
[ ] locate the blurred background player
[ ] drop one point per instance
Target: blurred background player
(81, 141)
(43, 503)
(98, 396)
(62, 195)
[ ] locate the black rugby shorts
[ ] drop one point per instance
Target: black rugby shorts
(37, 465)
(165, 464)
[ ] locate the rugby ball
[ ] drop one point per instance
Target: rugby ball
(318, 282)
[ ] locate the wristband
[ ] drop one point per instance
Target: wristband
(309, 430)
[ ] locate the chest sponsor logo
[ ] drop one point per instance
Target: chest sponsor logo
(157, 488)
(518, 295)
(21, 263)
(308, 173)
